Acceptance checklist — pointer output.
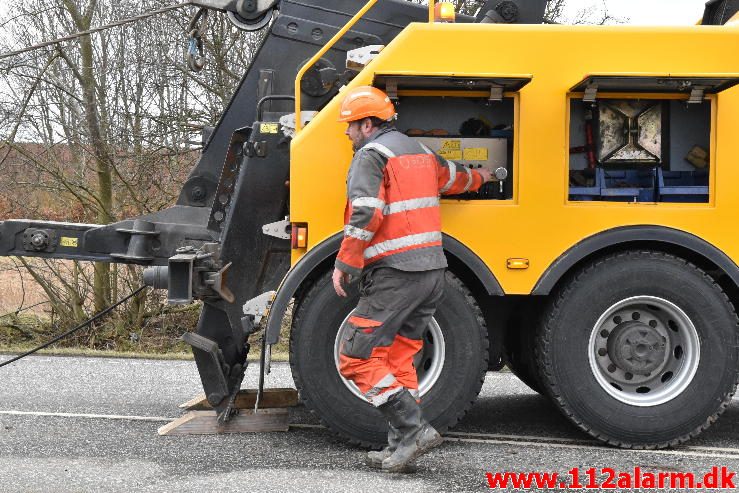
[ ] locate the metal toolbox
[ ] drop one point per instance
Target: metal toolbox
(486, 152)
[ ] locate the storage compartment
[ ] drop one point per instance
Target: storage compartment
(468, 120)
(639, 150)
(474, 132)
(642, 138)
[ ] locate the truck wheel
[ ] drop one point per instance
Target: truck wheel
(519, 346)
(520, 358)
(451, 367)
(640, 350)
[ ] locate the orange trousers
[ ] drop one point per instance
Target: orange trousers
(385, 331)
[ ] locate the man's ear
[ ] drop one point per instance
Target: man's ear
(366, 125)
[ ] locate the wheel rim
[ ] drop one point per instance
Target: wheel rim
(644, 351)
(429, 361)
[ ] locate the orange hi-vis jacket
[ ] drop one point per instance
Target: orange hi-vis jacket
(392, 216)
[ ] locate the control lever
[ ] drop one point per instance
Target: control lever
(501, 174)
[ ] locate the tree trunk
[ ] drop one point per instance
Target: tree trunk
(99, 148)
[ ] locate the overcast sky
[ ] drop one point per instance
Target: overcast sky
(637, 11)
(648, 12)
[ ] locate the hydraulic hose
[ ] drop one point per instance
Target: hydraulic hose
(72, 331)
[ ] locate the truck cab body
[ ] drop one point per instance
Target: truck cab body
(591, 266)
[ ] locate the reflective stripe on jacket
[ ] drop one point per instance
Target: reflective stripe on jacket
(392, 215)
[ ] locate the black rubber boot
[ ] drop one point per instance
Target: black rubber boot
(375, 458)
(416, 435)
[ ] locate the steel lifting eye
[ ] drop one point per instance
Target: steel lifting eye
(195, 51)
(195, 54)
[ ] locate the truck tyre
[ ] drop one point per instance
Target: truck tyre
(451, 367)
(520, 357)
(640, 349)
(519, 346)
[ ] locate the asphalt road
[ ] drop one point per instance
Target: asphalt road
(87, 424)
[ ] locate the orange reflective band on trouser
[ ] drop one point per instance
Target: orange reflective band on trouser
(363, 322)
(366, 324)
(372, 376)
(400, 362)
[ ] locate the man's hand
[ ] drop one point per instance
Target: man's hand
(486, 174)
(339, 278)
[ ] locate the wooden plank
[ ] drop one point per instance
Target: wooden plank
(206, 423)
(245, 399)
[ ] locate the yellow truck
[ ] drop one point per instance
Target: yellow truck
(601, 266)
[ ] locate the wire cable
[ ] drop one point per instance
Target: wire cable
(70, 37)
(72, 331)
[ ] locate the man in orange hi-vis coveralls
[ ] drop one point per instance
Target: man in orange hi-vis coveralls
(392, 243)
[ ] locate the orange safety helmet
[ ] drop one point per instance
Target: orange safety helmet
(364, 102)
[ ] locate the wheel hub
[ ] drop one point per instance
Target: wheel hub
(644, 351)
(637, 348)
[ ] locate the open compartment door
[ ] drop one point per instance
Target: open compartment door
(467, 119)
(494, 86)
(696, 87)
(643, 138)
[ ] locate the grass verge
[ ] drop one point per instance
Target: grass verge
(95, 353)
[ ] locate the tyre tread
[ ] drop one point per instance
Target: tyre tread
(547, 332)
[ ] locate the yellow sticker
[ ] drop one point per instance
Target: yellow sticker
(476, 154)
(450, 145)
(66, 241)
(269, 128)
(451, 154)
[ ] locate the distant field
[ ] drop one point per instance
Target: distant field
(159, 334)
(19, 290)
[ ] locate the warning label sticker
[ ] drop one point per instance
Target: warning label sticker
(66, 241)
(451, 149)
(269, 128)
(476, 154)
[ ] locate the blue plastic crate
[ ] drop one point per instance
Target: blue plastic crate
(683, 186)
(645, 185)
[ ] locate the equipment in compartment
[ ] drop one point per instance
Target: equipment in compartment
(473, 131)
(490, 153)
(630, 132)
(647, 150)
(476, 152)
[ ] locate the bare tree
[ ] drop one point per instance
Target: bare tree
(98, 129)
(556, 11)
(594, 13)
